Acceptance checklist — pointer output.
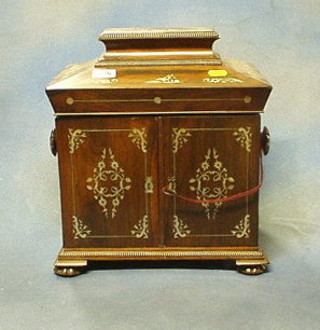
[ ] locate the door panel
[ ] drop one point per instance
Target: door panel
(207, 158)
(108, 176)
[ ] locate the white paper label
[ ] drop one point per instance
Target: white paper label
(104, 73)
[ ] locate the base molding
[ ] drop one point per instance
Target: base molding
(73, 261)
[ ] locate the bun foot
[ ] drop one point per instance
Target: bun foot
(68, 271)
(252, 269)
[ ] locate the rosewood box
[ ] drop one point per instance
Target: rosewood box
(159, 146)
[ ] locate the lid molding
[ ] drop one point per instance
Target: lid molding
(158, 33)
(165, 46)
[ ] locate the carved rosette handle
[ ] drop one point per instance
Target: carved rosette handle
(265, 140)
(53, 143)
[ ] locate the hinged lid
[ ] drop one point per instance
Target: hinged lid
(158, 71)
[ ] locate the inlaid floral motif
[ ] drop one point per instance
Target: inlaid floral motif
(222, 80)
(179, 138)
(244, 136)
(211, 181)
(148, 185)
(180, 229)
(79, 229)
(107, 81)
(168, 79)
(139, 137)
(242, 230)
(141, 230)
(114, 175)
(172, 185)
(76, 138)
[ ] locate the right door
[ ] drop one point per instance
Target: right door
(209, 157)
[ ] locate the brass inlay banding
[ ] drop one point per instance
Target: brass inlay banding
(157, 100)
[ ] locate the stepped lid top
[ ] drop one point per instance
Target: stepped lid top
(158, 33)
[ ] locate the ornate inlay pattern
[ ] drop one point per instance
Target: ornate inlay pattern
(168, 79)
(76, 138)
(180, 229)
(141, 230)
(179, 138)
(211, 170)
(172, 185)
(107, 81)
(244, 136)
(242, 230)
(139, 137)
(115, 175)
(148, 185)
(222, 80)
(79, 229)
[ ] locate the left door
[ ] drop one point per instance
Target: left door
(108, 181)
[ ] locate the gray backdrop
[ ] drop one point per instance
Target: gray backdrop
(38, 38)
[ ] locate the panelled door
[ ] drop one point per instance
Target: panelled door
(210, 157)
(108, 178)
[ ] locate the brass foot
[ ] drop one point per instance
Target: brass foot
(68, 271)
(70, 268)
(252, 269)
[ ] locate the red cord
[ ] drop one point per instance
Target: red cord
(219, 200)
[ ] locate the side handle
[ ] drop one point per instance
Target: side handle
(265, 140)
(53, 142)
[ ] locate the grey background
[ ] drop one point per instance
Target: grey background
(39, 38)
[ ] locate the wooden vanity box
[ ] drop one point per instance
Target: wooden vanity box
(159, 146)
